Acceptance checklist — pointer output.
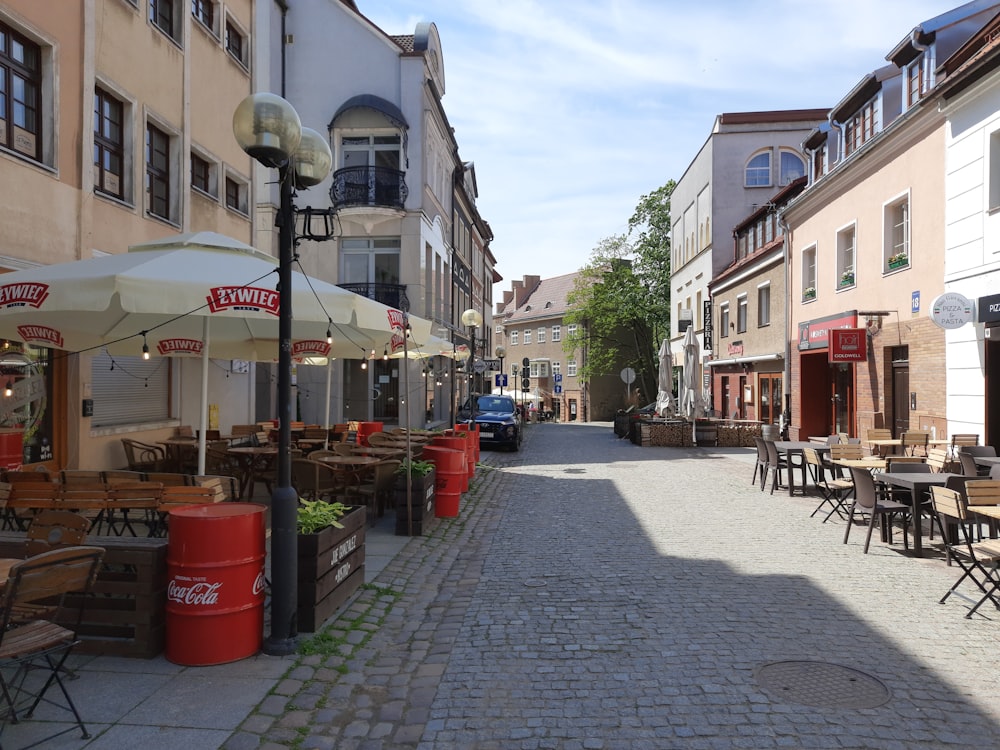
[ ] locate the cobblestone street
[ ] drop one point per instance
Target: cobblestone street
(594, 594)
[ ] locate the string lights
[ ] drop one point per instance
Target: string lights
(145, 346)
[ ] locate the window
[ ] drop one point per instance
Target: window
(758, 172)
(541, 335)
(236, 195)
(556, 333)
(201, 174)
(527, 336)
(763, 305)
(845, 257)
(792, 167)
(741, 314)
(896, 245)
(571, 368)
(20, 94)
(236, 43)
(995, 170)
(161, 15)
(724, 320)
(571, 330)
(556, 368)
(109, 144)
(513, 338)
(917, 83)
(157, 172)
(539, 369)
(809, 273)
(374, 162)
(133, 391)
(204, 11)
(498, 330)
(861, 128)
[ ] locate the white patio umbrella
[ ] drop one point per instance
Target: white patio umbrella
(664, 397)
(691, 396)
(197, 294)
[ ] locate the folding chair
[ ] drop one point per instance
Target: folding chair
(978, 560)
(839, 452)
(878, 433)
(834, 491)
(912, 440)
(868, 502)
(62, 577)
(939, 460)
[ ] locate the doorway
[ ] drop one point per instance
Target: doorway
(900, 390)
(842, 399)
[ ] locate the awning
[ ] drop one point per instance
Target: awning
(741, 360)
(377, 103)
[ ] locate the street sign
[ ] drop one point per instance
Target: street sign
(558, 389)
(525, 384)
(525, 362)
(479, 366)
(557, 377)
(500, 381)
(491, 364)
(628, 375)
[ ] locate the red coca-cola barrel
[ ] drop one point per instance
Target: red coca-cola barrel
(11, 448)
(450, 474)
(456, 444)
(215, 583)
(367, 428)
(474, 429)
(470, 451)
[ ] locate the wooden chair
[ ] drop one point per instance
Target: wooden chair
(979, 561)
(63, 578)
(960, 439)
(878, 433)
(868, 502)
(913, 441)
(840, 452)
(128, 501)
(313, 438)
(184, 430)
(114, 476)
(172, 498)
(143, 456)
(833, 491)
(939, 460)
(80, 476)
(315, 480)
(226, 488)
(983, 492)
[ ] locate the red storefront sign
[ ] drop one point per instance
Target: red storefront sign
(848, 345)
(815, 333)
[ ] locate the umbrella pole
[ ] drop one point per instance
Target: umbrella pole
(203, 416)
(406, 405)
(329, 371)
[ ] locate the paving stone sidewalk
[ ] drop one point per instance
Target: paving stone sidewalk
(597, 595)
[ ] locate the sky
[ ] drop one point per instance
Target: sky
(573, 110)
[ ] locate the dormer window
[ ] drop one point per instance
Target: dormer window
(918, 80)
(862, 127)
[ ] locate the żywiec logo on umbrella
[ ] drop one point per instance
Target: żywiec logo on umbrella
(23, 295)
(245, 298)
(32, 334)
(167, 347)
(309, 348)
(397, 324)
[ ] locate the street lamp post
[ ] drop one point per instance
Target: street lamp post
(268, 128)
(473, 319)
(500, 352)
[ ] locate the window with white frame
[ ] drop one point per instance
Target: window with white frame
(556, 333)
(896, 243)
(758, 170)
(792, 167)
(205, 13)
(995, 170)
(845, 257)
(498, 330)
(917, 74)
(809, 273)
(741, 314)
(541, 335)
(109, 144)
(571, 368)
(862, 127)
(237, 191)
(724, 320)
(163, 15)
(763, 305)
(539, 369)
(513, 338)
(527, 336)
(237, 44)
(204, 174)
(571, 330)
(556, 368)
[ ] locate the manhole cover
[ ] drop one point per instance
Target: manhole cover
(816, 683)
(534, 582)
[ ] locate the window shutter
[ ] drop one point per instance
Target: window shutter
(129, 390)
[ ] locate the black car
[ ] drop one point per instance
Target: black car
(497, 419)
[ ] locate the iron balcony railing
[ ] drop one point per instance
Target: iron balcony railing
(393, 295)
(368, 186)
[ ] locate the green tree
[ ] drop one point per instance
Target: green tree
(621, 301)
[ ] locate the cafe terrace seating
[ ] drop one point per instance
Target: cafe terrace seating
(978, 560)
(63, 578)
(143, 456)
(760, 465)
(878, 433)
(868, 502)
(776, 463)
(833, 491)
(377, 492)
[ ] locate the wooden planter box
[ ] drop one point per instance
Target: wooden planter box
(125, 614)
(422, 494)
(331, 566)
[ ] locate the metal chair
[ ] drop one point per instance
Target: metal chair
(868, 502)
(878, 433)
(833, 491)
(914, 440)
(62, 578)
(143, 456)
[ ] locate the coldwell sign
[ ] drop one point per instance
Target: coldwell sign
(848, 345)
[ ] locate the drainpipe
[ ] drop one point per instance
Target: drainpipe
(283, 7)
(838, 127)
(928, 67)
(786, 415)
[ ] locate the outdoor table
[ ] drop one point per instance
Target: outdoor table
(383, 451)
(254, 460)
(872, 463)
(351, 466)
(176, 448)
(897, 442)
(989, 461)
(917, 484)
(795, 448)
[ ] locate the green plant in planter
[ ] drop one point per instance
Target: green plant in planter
(416, 467)
(318, 514)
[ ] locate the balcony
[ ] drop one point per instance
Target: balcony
(393, 295)
(368, 187)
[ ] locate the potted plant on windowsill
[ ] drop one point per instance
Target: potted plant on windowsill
(331, 558)
(423, 477)
(899, 260)
(809, 293)
(847, 278)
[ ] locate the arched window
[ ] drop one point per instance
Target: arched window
(758, 172)
(792, 167)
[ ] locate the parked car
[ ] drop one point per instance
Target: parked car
(497, 419)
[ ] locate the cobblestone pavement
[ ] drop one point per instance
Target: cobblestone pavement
(596, 595)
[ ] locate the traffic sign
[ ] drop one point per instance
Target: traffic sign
(491, 364)
(557, 377)
(558, 389)
(479, 366)
(525, 362)
(525, 384)
(628, 375)
(500, 381)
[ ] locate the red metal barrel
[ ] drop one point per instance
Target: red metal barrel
(456, 443)
(367, 428)
(215, 583)
(451, 473)
(470, 451)
(11, 448)
(474, 429)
